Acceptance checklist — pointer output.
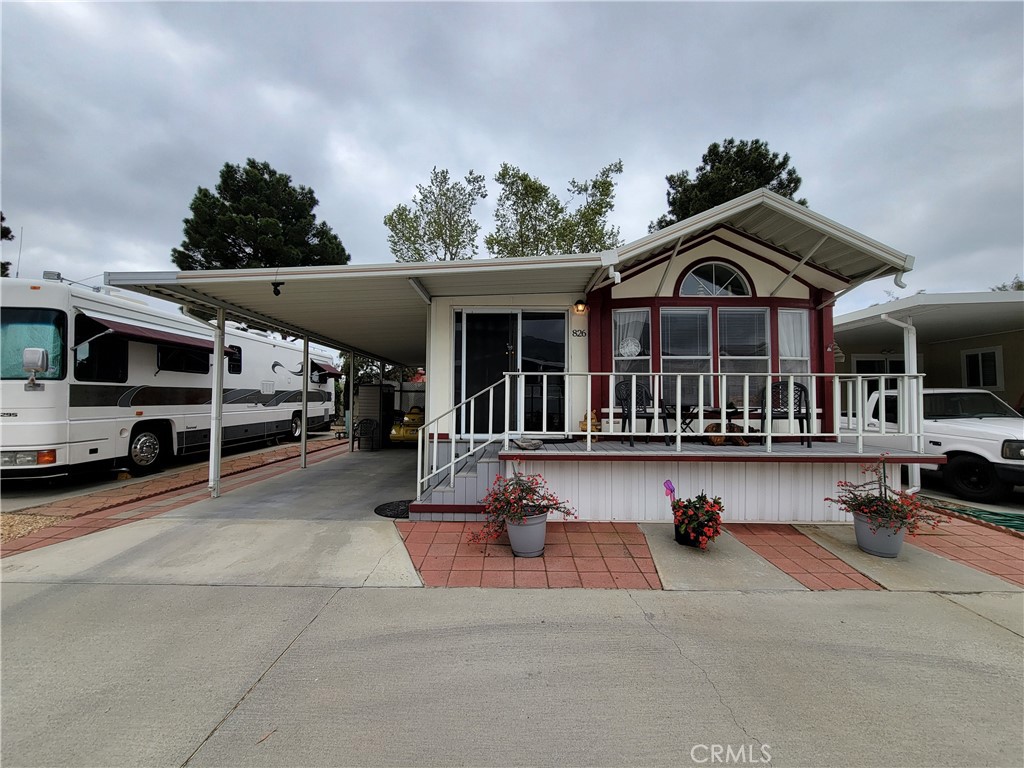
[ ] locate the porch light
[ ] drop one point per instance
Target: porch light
(277, 288)
(837, 352)
(580, 307)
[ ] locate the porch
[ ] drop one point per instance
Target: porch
(774, 457)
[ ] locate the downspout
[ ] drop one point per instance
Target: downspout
(217, 406)
(914, 411)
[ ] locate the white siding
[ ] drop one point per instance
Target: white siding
(751, 492)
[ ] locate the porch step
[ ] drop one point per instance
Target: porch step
(464, 500)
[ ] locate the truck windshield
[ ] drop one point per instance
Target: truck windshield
(965, 405)
(23, 327)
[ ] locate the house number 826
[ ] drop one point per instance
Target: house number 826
(579, 334)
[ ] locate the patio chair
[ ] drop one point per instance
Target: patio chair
(775, 406)
(644, 401)
(366, 430)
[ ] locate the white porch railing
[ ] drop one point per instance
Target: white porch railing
(843, 400)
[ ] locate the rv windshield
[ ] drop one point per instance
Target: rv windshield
(21, 328)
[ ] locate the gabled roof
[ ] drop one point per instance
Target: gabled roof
(803, 242)
(380, 310)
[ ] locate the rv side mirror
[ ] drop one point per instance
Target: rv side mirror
(35, 360)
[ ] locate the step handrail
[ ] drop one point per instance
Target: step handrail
(427, 438)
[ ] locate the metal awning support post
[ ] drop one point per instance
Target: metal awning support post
(217, 406)
(306, 369)
(912, 397)
(350, 390)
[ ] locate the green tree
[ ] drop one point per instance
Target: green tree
(586, 229)
(527, 216)
(439, 225)
(530, 220)
(5, 234)
(1014, 285)
(256, 218)
(727, 171)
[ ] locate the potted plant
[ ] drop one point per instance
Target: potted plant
(882, 516)
(520, 505)
(696, 521)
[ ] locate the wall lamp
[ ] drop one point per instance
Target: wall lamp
(277, 288)
(580, 307)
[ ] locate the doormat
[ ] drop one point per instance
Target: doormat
(396, 510)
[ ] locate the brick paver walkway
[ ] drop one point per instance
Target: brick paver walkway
(798, 556)
(993, 550)
(586, 555)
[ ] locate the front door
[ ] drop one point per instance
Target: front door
(491, 349)
(487, 344)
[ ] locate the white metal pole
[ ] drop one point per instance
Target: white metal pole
(351, 394)
(304, 381)
(217, 406)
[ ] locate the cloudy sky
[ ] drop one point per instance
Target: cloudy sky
(906, 121)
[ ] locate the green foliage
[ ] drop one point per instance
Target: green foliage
(1014, 285)
(527, 216)
(256, 218)
(530, 220)
(439, 225)
(727, 171)
(5, 234)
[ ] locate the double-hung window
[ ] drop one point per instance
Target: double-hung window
(686, 349)
(794, 343)
(631, 339)
(743, 348)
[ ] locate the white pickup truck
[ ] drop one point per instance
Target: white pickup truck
(981, 437)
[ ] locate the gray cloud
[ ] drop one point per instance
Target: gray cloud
(905, 120)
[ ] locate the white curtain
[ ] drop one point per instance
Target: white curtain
(632, 323)
(794, 340)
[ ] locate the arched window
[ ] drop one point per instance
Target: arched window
(714, 279)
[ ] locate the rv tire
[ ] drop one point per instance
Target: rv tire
(146, 449)
(296, 427)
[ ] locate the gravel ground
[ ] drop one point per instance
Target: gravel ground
(14, 526)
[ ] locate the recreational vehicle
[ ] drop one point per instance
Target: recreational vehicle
(93, 379)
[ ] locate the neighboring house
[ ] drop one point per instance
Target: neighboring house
(701, 318)
(963, 340)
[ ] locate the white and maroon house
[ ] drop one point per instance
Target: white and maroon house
(686, 328)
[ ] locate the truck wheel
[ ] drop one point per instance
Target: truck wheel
(145, 451)
(296, 428)
(974, 479)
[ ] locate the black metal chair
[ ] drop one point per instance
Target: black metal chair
(775, 405)
(642, 409)
(366, 429)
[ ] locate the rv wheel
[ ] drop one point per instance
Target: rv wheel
(296, 427)
(145, 451)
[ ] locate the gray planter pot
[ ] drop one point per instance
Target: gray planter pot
(885, 542)
(527, 537)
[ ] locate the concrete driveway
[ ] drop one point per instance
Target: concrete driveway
(311, 527)
(225, 633)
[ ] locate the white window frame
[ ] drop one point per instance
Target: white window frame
(717, 294)
(997, 353)
(709, 359)
(616, 357)
(806, 359)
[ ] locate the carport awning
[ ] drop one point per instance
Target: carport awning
(377, 310)
(150, 335)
